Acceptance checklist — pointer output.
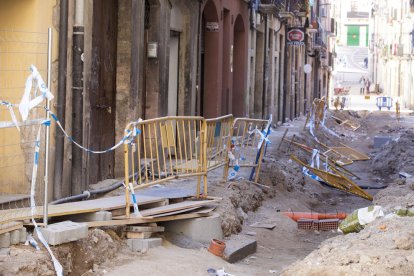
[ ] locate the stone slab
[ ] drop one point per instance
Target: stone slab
(142, 245)
(4, 251)
(200, 229)
(15, 237)
(5, 240)
(379, 141)
(23, 235)
(64, 232)
(238, 248)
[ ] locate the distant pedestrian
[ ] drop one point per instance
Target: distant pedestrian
(367, 85)
(362, 87)
(343, 102)
(366, 62)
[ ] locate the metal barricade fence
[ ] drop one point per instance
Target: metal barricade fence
(245, 141)
(167, 148)
(18, 50)
(219, 131)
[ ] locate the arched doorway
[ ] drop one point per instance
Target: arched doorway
(209, 83)
(238, 68)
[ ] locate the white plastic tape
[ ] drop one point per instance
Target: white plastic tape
(315, 159)
(12, 114)
(56, 264)
(27, 103)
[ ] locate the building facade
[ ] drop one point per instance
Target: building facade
(120, 60)
(391, 50)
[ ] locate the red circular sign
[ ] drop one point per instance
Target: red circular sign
(295, 35)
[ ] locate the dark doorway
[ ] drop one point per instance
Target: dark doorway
(225, 90)
(238, 68)
(210, 96)
(103, 89)
(173, 78)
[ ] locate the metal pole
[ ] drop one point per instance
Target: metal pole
(49, 78)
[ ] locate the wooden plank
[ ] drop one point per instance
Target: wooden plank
(176, 212)
(175, 208)
(11, 226)
(143, 220)
(205, 210)
(145, 229)
(87, 206)
(138, 235)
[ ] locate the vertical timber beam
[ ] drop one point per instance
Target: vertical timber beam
(77, 99)
(137, 94)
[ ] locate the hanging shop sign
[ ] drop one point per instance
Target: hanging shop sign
(212, 26)
(295, 36)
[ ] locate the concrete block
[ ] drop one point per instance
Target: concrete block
(239, 248)
(97, 216)
(379, 141)
(63, 232)
(15, 237)
(4, 251)
(5, 240)
(23, 235)
(200, 229)
(142, 245)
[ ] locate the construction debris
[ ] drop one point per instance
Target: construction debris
(334, 179)
(354, 126)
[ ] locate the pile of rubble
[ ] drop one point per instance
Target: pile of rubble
(383, 247)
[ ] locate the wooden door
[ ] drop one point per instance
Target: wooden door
(103, 89)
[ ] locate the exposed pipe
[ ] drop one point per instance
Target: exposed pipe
(61, 98)
(265, 33)
(88, 194)
(285, 86)
(77, 96)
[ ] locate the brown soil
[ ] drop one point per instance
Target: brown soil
(76, 257)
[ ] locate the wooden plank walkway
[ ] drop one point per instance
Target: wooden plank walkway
(86, 206)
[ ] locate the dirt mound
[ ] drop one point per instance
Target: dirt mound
(279, 175)
(398, 194)
(396, 156)
(242, 198)
(384, 247)
(76, 257)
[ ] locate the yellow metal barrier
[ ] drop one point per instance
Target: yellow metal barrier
(219, 132)
(180, 146)
(245, 151)
(167, 148)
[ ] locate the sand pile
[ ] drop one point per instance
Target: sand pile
(396, 156)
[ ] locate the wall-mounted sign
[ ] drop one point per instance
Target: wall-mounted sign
(295, 36)
(152, 50)
(212, 26)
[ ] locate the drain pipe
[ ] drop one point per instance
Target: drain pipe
(265, 33)
(77, 96)
(61, 97)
